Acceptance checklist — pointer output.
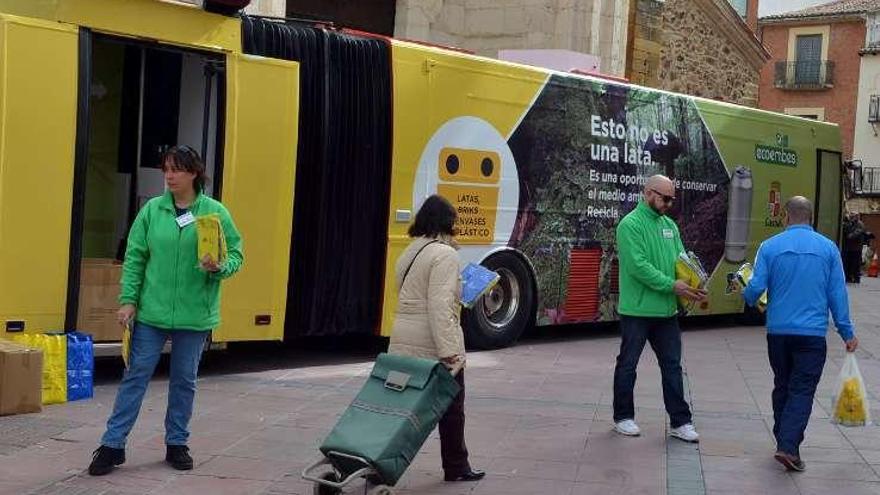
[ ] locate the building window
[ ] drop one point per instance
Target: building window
(808, 53)
(807, 66)
(815, 113)
(873, 31)
(874, 109)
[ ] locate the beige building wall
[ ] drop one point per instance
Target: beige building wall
(596, 27)
(866, 142)
(272, 8)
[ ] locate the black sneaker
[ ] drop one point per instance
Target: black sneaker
(178, 456)
(105, 459)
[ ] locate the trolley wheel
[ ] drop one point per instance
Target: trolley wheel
(499, 318)
(381, 490)
(328, 490)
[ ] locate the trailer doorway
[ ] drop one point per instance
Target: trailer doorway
(137, 100)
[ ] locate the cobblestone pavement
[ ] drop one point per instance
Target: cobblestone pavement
(539, 421)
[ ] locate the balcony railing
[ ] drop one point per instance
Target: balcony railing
(866, 181)
(804, 74)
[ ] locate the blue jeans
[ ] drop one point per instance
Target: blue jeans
(146, 348)
(797, 362)
(665, 338)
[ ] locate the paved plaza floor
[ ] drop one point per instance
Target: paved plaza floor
(538, 421)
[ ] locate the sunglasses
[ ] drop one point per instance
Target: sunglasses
(666, 198)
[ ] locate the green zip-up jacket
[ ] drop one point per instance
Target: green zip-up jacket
(161, 274)
(647, 246)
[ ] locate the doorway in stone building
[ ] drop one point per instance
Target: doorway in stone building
(374, 16)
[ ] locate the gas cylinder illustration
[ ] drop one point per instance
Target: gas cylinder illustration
(469, 179)
(739, 212)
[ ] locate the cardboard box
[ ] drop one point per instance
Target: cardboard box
(21, 379)
(99, 285)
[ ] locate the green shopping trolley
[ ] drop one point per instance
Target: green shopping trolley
(383, 429)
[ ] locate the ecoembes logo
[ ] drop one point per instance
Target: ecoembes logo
(780, 154)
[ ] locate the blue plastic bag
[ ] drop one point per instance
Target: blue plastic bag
(80, 366)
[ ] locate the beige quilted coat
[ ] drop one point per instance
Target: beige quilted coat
(426, 323)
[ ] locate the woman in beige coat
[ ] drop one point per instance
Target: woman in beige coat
(426, 323)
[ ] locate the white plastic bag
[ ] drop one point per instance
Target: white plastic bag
(850, 401)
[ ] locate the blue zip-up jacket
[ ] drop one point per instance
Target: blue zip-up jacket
(802, 273)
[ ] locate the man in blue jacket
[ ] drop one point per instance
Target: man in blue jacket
(803, 276)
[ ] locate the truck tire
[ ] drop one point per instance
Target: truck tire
(499, 318)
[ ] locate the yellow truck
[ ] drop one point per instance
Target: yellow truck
(324, 142)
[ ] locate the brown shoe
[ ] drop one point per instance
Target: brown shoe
(791, 462)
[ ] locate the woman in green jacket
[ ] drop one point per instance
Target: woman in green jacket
(168, 293)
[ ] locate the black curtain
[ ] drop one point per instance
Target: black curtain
(343, 172)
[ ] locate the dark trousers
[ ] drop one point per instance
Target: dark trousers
(453, 450)
(665, 338)
(852, 265)
(797, 362)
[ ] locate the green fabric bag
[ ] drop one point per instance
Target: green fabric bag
(395, 411)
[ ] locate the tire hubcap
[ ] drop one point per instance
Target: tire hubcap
(501, 303)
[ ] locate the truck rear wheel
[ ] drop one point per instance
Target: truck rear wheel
(499, 318)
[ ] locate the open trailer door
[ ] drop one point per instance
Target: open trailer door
(262, 102)
(38, 119)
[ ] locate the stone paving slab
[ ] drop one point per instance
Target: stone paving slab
(538, 421)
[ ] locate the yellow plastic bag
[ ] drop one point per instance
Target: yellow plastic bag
(851, 399)
(741, 279)
(212, 242)
(126, 344)
(689, 269)
(54, 349)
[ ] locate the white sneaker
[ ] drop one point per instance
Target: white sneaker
(627, 427)
(686, 433)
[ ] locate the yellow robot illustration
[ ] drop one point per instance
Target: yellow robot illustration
(470, 180)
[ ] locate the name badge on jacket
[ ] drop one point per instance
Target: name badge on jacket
(668, 234)
(185, 219)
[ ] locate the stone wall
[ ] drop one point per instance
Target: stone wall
(596, 27)
(698, 59)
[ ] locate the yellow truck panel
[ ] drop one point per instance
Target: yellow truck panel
(175, 23)
(38, 108)
(258, 177)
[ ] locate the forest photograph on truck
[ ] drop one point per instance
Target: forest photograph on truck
(575, 160)
(323, 142)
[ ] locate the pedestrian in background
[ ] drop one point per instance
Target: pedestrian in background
(854, 238)
(168, 293)
(648, 245)
(803, 276)
(426, 322)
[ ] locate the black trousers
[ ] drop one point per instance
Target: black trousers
(664, 335)
(852, 265)
(797, 362)
(453, 450)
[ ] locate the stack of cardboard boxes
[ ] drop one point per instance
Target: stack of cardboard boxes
(21, 376)
(98, 299)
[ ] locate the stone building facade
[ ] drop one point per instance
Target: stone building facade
(596, 27)
(697, 47)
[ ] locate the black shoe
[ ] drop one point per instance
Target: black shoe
(791, 462)
(178, 456)
(470, 475)
(105, 459)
